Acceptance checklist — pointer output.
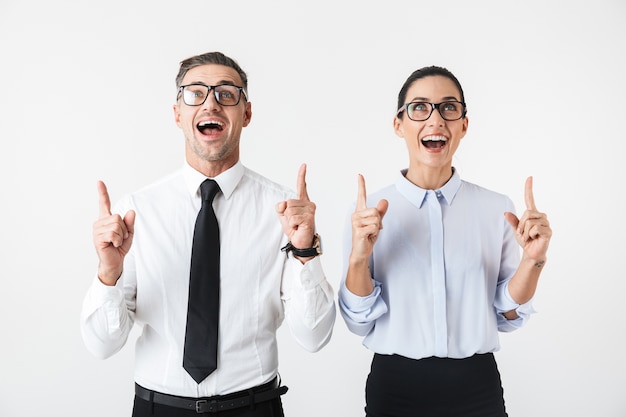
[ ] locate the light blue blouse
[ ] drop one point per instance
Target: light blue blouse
(440, 268)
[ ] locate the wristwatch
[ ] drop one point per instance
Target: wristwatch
(314, 250)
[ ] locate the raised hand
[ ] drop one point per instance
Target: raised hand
(366, 224)
(297, 216)
(112, 237)
(532, 230)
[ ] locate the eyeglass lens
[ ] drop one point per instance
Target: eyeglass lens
(196, 94)
(449, 110)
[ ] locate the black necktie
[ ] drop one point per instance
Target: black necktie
(200, 355)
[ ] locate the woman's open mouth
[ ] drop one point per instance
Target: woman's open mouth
(434, 142)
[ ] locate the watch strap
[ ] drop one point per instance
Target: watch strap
(313, 251)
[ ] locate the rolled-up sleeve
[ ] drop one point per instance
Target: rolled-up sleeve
(360, 313)
(504, 302)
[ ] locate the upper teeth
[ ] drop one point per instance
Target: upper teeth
(212, 122)
(435, 138)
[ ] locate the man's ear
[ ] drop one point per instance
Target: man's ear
(247, 116)
(176, 114)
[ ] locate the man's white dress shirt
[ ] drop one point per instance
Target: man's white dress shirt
(260, 286)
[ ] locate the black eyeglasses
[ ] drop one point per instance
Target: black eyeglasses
(421, 110)
(225, 94)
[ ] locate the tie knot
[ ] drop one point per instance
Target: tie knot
(209, 189)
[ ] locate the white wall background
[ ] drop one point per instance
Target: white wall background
(86, 90)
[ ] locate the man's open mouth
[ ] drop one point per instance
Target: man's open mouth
(210, 126)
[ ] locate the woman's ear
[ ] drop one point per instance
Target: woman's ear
(398, 127)
(465, 125)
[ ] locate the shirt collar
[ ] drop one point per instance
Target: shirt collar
(227, 180)
(417, 195)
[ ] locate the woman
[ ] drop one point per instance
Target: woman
(430, 292)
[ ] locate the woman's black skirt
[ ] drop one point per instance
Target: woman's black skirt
(434, 387)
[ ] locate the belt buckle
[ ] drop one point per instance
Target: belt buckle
(199, 405)
(204, 406)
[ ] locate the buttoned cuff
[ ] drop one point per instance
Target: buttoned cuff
(109, 298)
(100, 291)
(311, 273)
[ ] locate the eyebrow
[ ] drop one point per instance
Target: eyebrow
(448, 98)
(221, 82)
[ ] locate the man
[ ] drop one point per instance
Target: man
(145, 248)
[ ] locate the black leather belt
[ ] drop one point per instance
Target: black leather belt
(217, 403)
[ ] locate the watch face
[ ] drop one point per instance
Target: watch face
(317, 243)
